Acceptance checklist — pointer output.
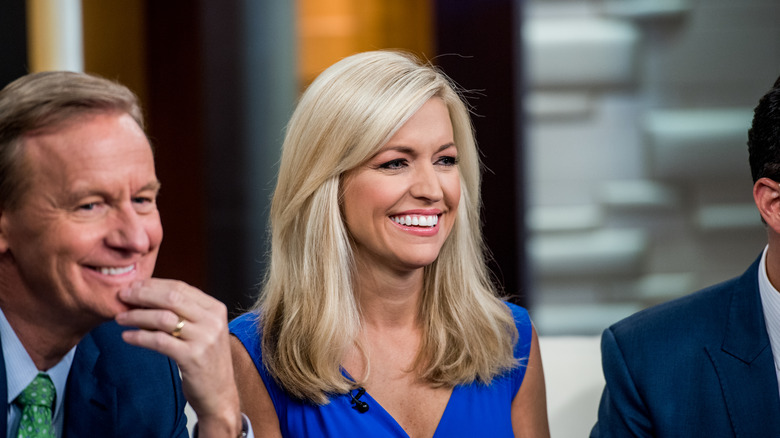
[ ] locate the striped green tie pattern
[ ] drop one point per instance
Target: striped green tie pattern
(36, 402)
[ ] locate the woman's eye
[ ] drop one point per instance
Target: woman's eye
(447, 160)
(393, 164)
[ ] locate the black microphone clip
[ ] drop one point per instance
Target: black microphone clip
(357, 404)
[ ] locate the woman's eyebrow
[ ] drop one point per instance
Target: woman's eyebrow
(410, 150)
(446, 146)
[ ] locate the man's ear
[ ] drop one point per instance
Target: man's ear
(766, 194)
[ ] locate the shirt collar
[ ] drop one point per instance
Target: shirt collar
(770, 301)
(20, 369)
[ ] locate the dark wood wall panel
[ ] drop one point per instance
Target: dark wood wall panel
(476, 47)
(175, 118)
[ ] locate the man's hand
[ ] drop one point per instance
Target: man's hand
(190, 327)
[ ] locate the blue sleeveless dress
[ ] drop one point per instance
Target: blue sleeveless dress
(475, 409)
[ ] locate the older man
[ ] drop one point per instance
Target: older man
(79, 237)
(707, 364)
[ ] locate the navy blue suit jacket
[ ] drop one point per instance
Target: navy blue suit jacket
(698, 366)
(117, 390)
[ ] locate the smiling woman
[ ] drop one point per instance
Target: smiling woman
(413, 180)
(377, 315)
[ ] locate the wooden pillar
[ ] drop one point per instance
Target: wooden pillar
(54, 33)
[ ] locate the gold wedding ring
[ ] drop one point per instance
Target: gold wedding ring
(176, 333)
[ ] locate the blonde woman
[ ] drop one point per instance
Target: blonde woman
(377, 317)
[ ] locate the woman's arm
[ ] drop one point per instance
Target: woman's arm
(529, 408)
(256, 404)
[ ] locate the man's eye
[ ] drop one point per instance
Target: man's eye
(393, 164)
(145, 204)
(88, 207)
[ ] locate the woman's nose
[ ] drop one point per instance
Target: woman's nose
(426, 184)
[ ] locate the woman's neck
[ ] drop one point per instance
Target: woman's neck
(389, 298)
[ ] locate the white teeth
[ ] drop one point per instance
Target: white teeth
(416, 221)
(116, 271)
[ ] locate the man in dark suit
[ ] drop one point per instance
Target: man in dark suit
(79, 237)
(707, 364)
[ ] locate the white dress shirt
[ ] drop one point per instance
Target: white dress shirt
(770, 301)
(20, 371)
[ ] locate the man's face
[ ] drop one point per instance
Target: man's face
(88, 224)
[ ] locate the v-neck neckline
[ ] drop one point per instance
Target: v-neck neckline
(372, 402)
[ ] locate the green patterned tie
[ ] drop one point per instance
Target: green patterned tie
(36, 401)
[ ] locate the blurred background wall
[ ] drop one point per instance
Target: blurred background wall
(613, 131)
(638, 184)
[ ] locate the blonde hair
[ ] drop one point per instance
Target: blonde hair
(309, 314)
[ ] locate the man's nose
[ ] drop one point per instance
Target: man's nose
(128, 231)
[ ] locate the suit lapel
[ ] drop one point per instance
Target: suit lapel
(90, 405)
(745, 365)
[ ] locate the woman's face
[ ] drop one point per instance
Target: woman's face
(400, 206)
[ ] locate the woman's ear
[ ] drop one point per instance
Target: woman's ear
(766, 194)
